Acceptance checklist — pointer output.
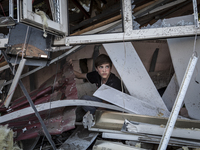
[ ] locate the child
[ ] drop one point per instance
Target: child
(102, 75)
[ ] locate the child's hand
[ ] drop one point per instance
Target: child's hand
(70, 62)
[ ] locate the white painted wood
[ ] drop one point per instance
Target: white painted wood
(170, 93)
(181, 50)
(133, 73)
(128, 102)
(56, 104)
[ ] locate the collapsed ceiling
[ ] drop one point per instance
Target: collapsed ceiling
(83, 17)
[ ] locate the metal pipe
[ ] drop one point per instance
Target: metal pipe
(178, 103)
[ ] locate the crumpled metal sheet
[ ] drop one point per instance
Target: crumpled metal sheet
(56, 120)
(80, 139)
(62, 120)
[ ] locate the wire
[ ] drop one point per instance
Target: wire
(2, 10)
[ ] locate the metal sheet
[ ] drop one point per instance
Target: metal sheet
(181, 50)
(105, 145)
(133, 73)
(57, 121)
(55, 104)
(22, 35)
(6, 21)
(80, 139)
(170, 93)
(128, 102)
(120, 136)
(172, 141)
(114, 121)
(144, 128)
(140, 34)
(30, 62)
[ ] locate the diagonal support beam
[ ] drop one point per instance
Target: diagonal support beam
(14, 83)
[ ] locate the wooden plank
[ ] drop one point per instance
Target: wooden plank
(97, 25)
(140, 8)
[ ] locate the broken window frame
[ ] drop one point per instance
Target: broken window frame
(141, 34)
(27, 16)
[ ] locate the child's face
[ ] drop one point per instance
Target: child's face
(104, 70)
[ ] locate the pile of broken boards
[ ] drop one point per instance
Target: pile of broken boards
(134, 124)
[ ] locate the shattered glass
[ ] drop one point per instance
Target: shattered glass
(165, 23)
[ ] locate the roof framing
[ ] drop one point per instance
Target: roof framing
(142, 34)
